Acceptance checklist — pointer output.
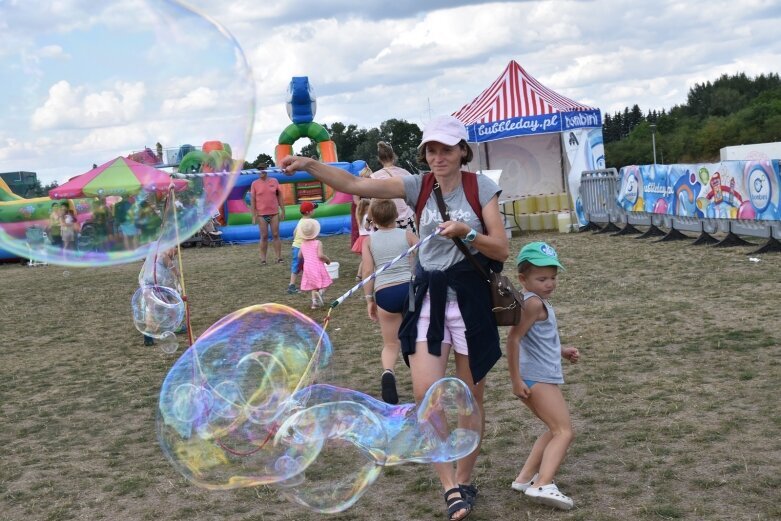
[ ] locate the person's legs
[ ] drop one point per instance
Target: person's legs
(276, 241)
(548, 404)
(263, 244)
(389, 327)
(426, 369)
(466, 465)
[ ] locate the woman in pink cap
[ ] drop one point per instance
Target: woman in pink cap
(451, 304)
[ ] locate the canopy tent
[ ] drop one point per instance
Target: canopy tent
(120, 176)
(539, 139)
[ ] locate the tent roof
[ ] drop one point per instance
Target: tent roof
(515, 93)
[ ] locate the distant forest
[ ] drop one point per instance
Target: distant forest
(732, 110)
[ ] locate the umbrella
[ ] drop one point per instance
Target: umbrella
(120, 176)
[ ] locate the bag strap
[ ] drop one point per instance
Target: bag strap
(459, 243)
(471, 191)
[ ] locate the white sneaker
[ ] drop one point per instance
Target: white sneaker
(551, 496)
(521, 487)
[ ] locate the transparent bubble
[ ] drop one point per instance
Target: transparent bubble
(241, 407)
(122, 103)
(224, 398)
(158, 311)
(167, 343)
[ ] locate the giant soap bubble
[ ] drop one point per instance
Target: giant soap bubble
(244, 406)
(133, 107)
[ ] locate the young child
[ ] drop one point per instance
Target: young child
(364, 230)
(534, 355)
(315, 277)
(389, 289)
(69, 228)
(307, 209)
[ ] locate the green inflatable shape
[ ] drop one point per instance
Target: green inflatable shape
(312, 130)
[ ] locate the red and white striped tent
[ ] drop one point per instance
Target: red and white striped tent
(533, 134)
(516, 94)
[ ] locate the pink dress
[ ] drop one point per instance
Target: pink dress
(315, 275)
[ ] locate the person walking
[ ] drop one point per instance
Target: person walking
(386, 294)
(268, 209)
(534, 354)
(315, 277)
(387, 158)
(452, 302)
(307, 209)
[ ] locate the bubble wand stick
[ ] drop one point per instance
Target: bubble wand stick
(383, 268)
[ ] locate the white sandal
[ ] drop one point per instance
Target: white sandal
(521, 486)
(551, 496)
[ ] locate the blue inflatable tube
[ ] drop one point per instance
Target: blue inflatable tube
(246, 233)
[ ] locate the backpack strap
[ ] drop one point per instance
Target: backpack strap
(468, 181)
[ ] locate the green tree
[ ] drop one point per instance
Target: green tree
(262, 161)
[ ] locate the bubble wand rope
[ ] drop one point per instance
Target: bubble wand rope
(172, 196)
(383, 268)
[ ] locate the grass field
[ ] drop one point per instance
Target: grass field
(674, 401)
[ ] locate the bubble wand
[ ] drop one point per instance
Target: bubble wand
(383, 268)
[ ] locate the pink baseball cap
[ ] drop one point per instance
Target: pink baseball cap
(444, 129)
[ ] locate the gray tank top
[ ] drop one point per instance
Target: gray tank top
(540, 358)
(386, 245)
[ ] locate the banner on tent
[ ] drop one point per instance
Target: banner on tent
(528, 125)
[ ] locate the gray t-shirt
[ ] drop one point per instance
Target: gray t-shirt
(440, 252)
(540, 358)
(385, 246)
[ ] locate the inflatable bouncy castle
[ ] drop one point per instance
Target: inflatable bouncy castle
(333, 209)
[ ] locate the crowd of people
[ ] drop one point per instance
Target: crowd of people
(111, 225)
(436, 303)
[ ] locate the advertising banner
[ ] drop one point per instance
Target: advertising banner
(746, 190)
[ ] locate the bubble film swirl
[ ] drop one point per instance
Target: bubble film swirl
(158, 311)
(116, 107)
(241, 407)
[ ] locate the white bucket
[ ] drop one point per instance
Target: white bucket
(333, 269)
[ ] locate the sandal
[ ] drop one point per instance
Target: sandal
(470, 493)
(551, 496)
(280, 261)
(521, 486)
(262, 263)
(456, 503)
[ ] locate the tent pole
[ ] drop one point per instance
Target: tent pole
(565, 178)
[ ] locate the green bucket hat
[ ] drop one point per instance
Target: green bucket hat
(539, 254)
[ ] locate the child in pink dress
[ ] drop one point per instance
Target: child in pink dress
(315, 277)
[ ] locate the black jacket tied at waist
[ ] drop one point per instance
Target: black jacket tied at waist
(474, 302)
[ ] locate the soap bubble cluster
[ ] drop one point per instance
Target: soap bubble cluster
(243, 407)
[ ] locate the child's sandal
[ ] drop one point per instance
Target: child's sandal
(455, 504)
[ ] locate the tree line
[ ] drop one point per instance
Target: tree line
(732, 110)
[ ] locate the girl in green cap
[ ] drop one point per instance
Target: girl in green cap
(534, 353)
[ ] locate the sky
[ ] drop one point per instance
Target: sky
(84, 82)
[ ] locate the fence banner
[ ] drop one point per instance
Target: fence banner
(746, 190)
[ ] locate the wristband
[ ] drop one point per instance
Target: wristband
(369, 297)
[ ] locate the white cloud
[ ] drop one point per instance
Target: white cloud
(77, 107)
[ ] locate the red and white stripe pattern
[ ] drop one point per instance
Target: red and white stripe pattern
(515, 93)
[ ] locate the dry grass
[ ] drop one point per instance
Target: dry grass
(674, 400)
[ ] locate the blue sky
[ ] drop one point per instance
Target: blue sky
(84, 82)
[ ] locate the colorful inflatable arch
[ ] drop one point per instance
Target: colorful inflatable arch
(301, 108)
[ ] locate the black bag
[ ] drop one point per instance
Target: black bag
(506, 300)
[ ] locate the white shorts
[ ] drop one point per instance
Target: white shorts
(455, 328)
